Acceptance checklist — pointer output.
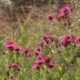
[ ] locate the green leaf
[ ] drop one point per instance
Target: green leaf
(60, 68)
(78, 53)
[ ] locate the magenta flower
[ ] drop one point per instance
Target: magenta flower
(9, 45)
(50, 17)
(41, 60)
(51, 65)
(52, 38)
(44, 45)
(48, 38)
(61, 16)
(47, 59)
(14, 65)
(66, 9)
(12, 46)
(35, 66)
(17, 48)
(67, 39)
(37, 51)
(77, 41)
(38, 63)
(38, 48)
(27, 52)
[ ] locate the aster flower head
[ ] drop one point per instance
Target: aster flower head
(51, 65)
(14, 65)
(47, 59)
(77, 41)
(48, 38)
(67, 39)
(61, 15)
(17, 48)
(66, 9)
(41, 60)
(37, 50)
(9, 45)
(25, 50)
(50, 17)
(12, 46)
(35, 66)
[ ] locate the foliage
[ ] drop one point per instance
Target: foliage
(49, 50)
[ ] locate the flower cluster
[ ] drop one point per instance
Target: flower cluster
(47, 39)
(62, 16)
(43, 60)
(68, 39)
(64, 41)
(64, 11)
(54, 56)
(45, 44)
(12, 46)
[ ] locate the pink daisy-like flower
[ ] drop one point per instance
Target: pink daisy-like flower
(9, 45)
(77, 41)
(14, 65)
(61, 16)
(35, 66)
(41, 60)
(67, 39)
(66, 9)
(47, 59)
(17, 48)
(12, 46)
(50, 17)
(27, 52)
(51, 65)
(37, 50)
(47, 38)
